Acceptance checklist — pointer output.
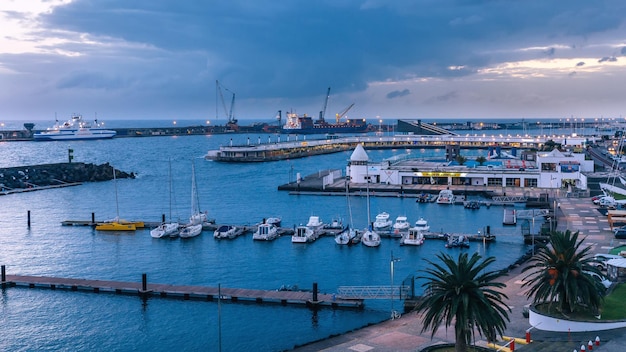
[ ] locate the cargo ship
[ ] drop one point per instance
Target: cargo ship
(304, 124)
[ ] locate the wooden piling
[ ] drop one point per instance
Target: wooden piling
(144, 282)
(315, 292)
(28, 218)
(163, 218)
(3, 273)
(93, 217)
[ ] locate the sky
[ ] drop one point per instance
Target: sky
(400, 59)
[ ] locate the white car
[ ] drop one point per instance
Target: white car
(605, 282)
(602, 258)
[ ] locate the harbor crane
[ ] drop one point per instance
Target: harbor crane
(230, 113)
(340, 115)
(323, 112)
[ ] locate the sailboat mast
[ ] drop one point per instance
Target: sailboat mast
(117, 203)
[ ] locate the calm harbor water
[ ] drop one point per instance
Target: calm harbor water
(34, 319)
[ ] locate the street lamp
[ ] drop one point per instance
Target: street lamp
(394, 314)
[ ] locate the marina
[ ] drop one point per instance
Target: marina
(250, 194)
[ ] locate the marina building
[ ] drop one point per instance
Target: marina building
(533, 169)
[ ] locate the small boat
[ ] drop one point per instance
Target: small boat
(227, 231)
(415, 237)
(115, 226)
(190, 230)
(274, 221)
(370, 238)
(197, 217)
(400, 227)
(445, 197)
(335, 224)
(265, 232)
(303, 234)
(422, 225)
(382, 223)
(315, 223)
(165, 229)
(457, 241)
(74, 129)
(471, 204)
(347, 236)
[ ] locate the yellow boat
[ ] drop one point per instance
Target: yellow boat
(115, 226)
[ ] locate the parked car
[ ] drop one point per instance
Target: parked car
(620, 232)
(605, 282)
(602, 258)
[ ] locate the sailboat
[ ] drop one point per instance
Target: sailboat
(166, 229)
(197, 218)
(370, 237)
(118, 224)
(349, 234)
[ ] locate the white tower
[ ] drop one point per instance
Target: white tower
(357, 166)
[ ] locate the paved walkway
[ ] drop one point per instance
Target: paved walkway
(576, 214)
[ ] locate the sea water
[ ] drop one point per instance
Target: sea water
(237, 193)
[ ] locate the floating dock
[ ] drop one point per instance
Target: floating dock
(144, 289)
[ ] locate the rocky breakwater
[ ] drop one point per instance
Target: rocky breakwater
(32, 177)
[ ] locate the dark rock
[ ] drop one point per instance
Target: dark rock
(54, 174)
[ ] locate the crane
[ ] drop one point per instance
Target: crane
(343, 113)
(323, 112)
(229, 113)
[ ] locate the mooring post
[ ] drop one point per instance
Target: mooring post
(315, 292)
(4, 273)
(144, 282)
(93, 217)
(28, 218)
(162, 217)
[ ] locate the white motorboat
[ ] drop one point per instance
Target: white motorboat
(227, 231)
(74, 129)
(422, 225)
(315, 223)
(415, 237)
(303, 234)
(273, 221)
(190, 230)
(382, 223)
(445, 197)
(165, 229)
(401, 226)
(265, 232)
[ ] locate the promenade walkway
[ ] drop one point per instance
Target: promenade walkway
(576, 214)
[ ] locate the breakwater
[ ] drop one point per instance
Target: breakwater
(33, 177)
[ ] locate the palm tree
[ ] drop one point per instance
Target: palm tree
(562, 273)
(461, 291)
(481, 160)
(461, 159)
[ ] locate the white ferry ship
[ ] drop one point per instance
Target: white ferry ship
(74, 129)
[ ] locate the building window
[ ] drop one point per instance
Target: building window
(530, 182)
(492, 181)
(548, 167)
(512, 182)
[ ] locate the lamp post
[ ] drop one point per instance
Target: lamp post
(394, 314)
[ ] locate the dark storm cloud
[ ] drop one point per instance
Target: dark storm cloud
(296, 48)
(608, 59)
(398, 93)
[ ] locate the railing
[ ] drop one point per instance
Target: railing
(373, 292)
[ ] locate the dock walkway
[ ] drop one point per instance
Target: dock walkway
(305, 298)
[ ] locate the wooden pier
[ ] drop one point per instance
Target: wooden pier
(145, 289)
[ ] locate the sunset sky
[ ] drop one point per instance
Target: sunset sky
(428, 59)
